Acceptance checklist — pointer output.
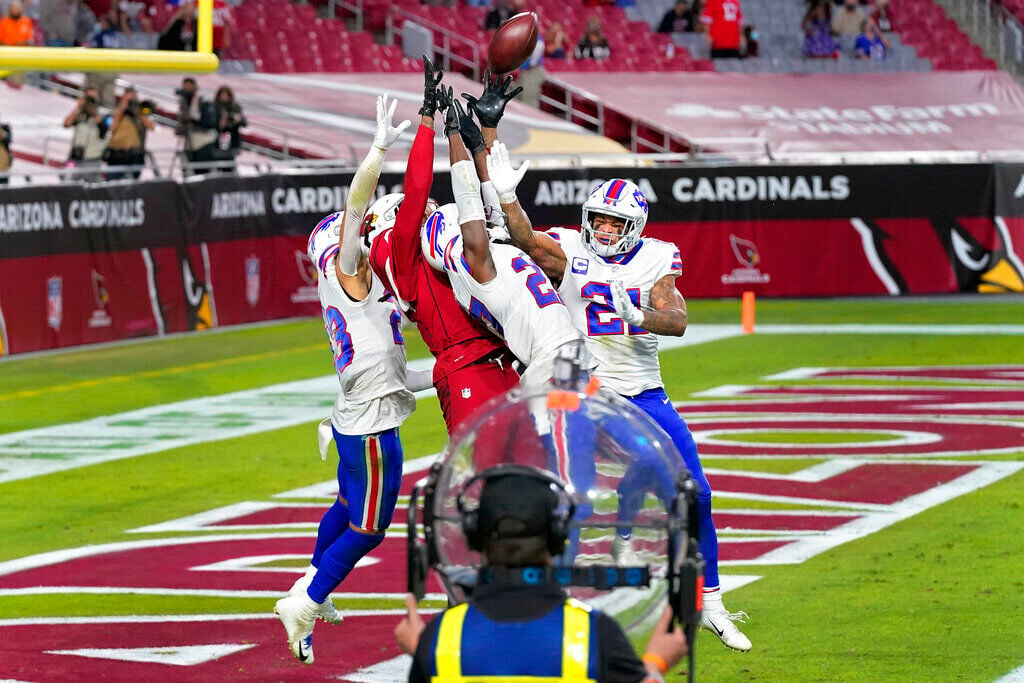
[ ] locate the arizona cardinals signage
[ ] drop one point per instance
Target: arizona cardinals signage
(97, 263)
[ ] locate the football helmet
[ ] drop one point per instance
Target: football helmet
(326, 233)
(622, 199)
(379, 217)
(439, 231)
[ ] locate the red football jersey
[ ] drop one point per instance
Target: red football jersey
(455, 339)
(723, 19)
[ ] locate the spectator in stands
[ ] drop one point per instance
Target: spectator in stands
(532, 74)
(679, 19)
(198, 124)
(871, 44)
(817, 28)
(58, 20)
(722, 19)
(15, 27)
(144, 37)
(221, 27)
(846, 21)
(230, 121)
(88, 135)
(109, 33)
(882, 16)
(750, 44)
(556, 42)
(180, 32)
(499, 14)
(6, 158)
(127, 145)
(593, 44)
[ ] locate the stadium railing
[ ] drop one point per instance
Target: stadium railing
(448, 43)
(995, 27)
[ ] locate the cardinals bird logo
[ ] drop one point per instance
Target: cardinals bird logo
(306, 267)
(746, 251)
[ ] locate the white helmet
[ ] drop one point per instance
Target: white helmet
(440, 230)
(379, 217)
(326, 233)
(622, 199)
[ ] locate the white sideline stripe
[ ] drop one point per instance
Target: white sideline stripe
(191, 592)
(188, 618)
(811, 475)
(253, 411)
(1015, 676)
(805, 548)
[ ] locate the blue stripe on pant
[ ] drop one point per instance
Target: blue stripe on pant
(369, 476)
(655, 402)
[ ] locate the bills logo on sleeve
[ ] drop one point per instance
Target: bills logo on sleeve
(580, 266)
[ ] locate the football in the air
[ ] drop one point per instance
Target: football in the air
(513, 43)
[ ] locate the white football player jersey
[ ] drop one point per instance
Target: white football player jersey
(627, 356)
(520, 305)
(366, 337)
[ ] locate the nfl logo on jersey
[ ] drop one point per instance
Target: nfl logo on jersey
(580, 266)
(54, 302)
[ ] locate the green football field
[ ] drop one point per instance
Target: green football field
(921, 581)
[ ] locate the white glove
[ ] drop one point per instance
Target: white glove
(504, 177)
(623, 305)
(387, 134)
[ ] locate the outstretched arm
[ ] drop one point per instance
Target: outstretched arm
(668, 308)
(405, 243)
(546, 252)
(466, 189)
(351, 266)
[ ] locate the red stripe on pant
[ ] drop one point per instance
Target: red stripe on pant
(371, 516)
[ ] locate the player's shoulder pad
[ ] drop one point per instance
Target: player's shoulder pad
(666, 252)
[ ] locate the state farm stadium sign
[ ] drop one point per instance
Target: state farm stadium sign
(881, 119)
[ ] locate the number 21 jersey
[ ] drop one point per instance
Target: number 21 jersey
(627, 356)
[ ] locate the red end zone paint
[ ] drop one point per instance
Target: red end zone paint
(355, 643)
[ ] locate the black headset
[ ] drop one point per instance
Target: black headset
(557, 524)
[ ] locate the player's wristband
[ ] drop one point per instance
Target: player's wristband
(507, 197)
(656, 660)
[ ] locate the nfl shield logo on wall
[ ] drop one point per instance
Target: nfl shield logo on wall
(54, 302)
(252, 280)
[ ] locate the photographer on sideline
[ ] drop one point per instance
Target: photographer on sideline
(527, 629)
(87, 138)
(5, 152)
(127, 145)
(230, 122)
(197, 124)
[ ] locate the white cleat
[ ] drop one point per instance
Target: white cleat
(298, 614)
(623, 553)
(328, 612)
(720, 622)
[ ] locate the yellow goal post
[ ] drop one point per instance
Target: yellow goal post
(41, 58)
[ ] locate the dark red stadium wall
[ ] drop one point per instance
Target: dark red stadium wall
(90, 264)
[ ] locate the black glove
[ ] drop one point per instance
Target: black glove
(430, 83)
(472, 138)
(452, 122)
(491, 105)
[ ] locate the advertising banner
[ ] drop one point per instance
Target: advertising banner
(98, 263)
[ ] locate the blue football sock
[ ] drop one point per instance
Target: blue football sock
(332, 526)
(708, 542)
(338, 561)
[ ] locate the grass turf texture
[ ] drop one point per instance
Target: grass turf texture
(859, 612)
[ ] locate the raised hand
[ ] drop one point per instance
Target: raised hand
(624, 306)
(386, 133)
(504, 177)
(446, 102)
(430, 82)
(490, 107)
(470, 132)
